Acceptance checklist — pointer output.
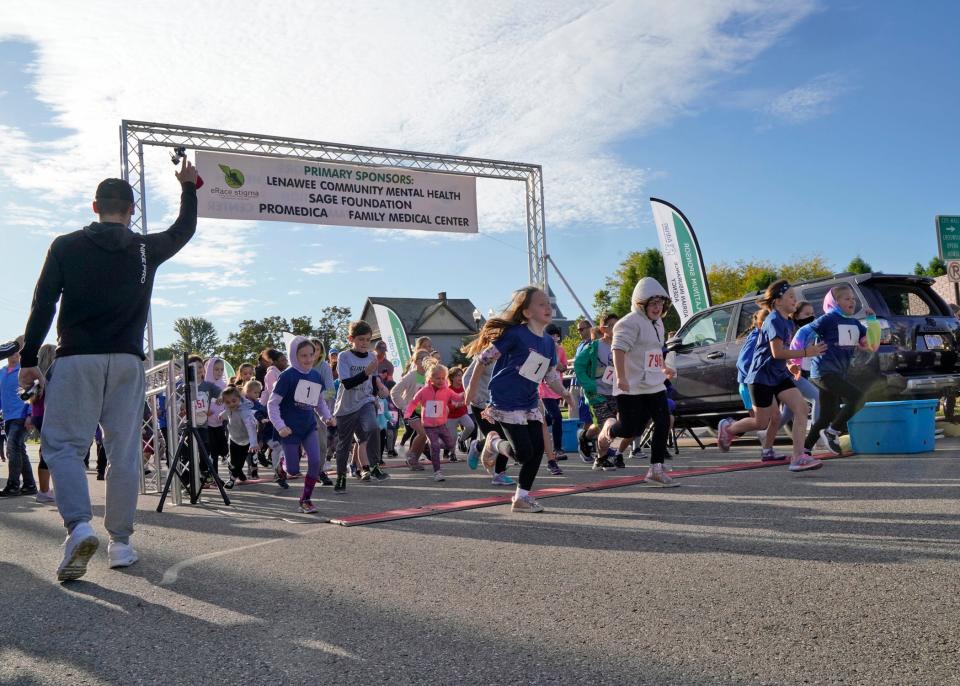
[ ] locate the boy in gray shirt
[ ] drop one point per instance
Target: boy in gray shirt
(355, 408)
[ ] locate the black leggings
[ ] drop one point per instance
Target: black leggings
(485, 427)
(555, 420)
(833, 389)
(238, 457)
(633, 414)
(527, 442)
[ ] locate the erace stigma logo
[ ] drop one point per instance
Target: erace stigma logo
(232, 177)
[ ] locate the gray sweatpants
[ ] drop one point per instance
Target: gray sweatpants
(86, 390)
(361, 424)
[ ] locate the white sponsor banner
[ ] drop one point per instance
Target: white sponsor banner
(682, 262)
(312, 192)
(393, 334)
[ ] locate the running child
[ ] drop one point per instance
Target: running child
(842, 335)
(640, 374)
(769, 379)
(251, 392)
(728, 429)
(496, 462)
(596, 375)
(459, 417)
(214, 376)
(435, 398)
(523, 356)
(241, 427)
(292, 408)
(402, 393)
(355, 410)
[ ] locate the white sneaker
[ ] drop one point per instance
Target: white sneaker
(47, 497)
(438, 476)
(121, 554)
(79, 547)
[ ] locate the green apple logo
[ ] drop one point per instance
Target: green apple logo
(233, 177)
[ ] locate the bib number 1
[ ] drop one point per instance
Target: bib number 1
(848, 335)
(307, 392)
(535, 367)
(433, 409)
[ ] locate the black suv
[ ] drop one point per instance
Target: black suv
(918, 355)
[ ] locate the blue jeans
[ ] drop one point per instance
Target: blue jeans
(20, 473)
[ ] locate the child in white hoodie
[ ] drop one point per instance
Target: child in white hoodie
(638, 340)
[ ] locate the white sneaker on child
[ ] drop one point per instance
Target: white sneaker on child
(438, 476)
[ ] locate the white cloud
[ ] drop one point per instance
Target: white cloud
(370, 268)
(222, 308)
(323, 267)
(165, 302)
(294, 292)
(809, 101)
(554, 83)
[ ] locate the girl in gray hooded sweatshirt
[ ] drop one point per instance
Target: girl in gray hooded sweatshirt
(638, 340)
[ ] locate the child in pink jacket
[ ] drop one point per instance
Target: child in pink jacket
(436, 398)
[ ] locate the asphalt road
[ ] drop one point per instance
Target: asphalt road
(847, 575)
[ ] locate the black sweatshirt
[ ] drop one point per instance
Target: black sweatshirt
(103, 276)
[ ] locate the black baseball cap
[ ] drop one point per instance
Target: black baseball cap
(115, 189)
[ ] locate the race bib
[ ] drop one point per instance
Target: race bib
(848, 335)
(653, 360)
(609, 375)
(535, 367)
(307, 392)
(432, 409)
(394, 416)
(201, 406)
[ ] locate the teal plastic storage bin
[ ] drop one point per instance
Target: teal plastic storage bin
(901, 426)
(569, 440)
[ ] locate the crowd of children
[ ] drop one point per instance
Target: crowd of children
(346, 408)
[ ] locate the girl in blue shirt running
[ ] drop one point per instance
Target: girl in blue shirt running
(523, 356)
(768, 378)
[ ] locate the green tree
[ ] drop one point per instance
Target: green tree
(196, 335)
(572, 340)
(936, 267)
(619, 287)
(859, 266)
(252, 336)
(164, 354)
(732, 281)
(602, 301)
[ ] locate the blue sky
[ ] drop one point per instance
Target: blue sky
(780, 128)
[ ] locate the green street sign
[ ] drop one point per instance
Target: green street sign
(948, 236)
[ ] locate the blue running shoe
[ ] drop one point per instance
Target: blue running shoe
(473, 455)
(502, 479)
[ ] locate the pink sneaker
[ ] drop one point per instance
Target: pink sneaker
(724, 437)
(804, 463)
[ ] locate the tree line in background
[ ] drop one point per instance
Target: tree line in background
(198, 335)
(727, 281)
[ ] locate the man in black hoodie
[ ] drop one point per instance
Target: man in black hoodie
(103, 277)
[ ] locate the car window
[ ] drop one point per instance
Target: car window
(745, 320)
(708, 329)
(906, 299)
(815, 295)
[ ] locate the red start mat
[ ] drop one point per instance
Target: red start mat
(552, 492)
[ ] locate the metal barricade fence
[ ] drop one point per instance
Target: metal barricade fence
(162, 425)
